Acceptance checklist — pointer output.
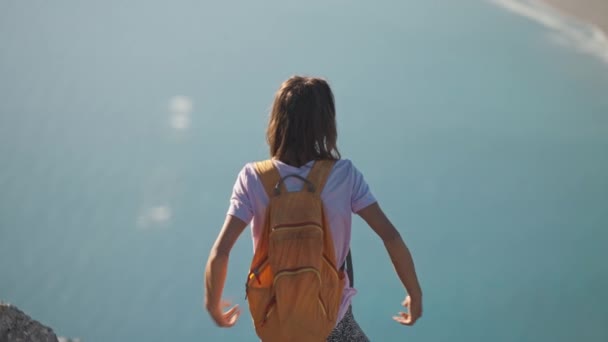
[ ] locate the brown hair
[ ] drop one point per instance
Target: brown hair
(302, 123)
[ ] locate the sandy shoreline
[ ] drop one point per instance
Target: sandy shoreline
(592, 11)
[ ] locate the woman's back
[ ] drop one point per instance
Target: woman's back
(344, 193)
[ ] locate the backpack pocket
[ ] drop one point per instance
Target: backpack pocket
(296, 246)
(258, 291)
(300, 309)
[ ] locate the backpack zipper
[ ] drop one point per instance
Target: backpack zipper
(294, 272)
(254, 273)
(322, 307)
(297, 224)
(331, 266)
(269, 309)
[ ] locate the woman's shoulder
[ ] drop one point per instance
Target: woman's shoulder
(344, 162)
(347, 166)
(342, 165)
(248, 173)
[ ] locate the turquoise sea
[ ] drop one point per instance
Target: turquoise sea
(123, 124)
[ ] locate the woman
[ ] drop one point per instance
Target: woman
(302, 129)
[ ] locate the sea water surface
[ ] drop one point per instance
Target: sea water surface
(123, 125)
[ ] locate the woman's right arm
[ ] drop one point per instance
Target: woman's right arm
(401, 258)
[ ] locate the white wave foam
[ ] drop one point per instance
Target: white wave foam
(180, 108)
(154, 216)
(568, 31)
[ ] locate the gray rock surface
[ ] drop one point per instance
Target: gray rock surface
(15, 326)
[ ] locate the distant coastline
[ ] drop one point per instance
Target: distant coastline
(579, 24)
(594, 12)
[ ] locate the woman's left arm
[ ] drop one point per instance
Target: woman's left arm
(217, 268)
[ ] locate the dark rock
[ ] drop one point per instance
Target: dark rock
(15, 326)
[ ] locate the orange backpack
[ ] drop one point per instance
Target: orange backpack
(294, 288)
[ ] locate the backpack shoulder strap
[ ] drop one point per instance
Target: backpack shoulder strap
(268, 174)
(349, 269)
(319, 173)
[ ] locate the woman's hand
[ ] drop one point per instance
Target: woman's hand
(414, 311)
(401, 259)
(215, 273)
(225, 319)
